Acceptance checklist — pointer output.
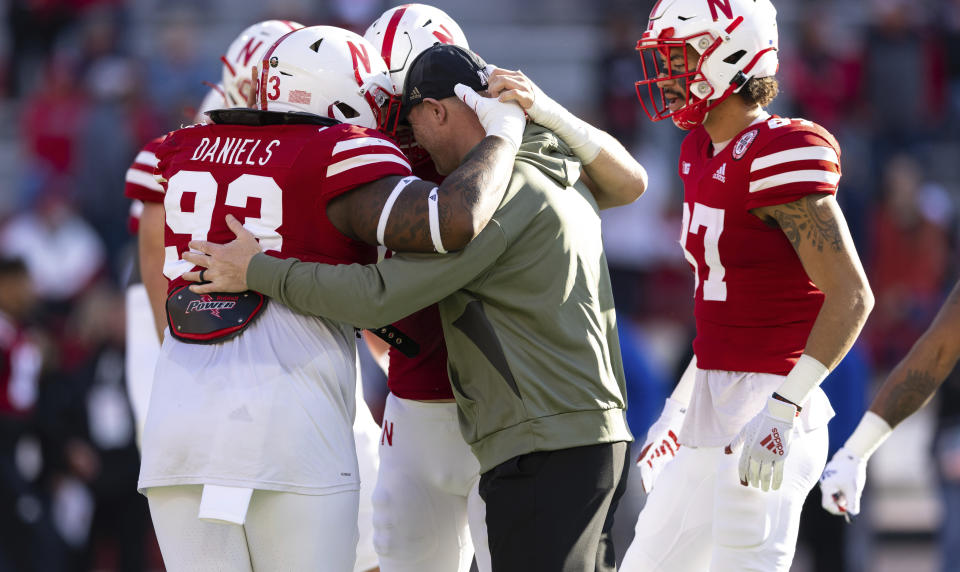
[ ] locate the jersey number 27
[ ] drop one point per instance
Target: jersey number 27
(711, 221)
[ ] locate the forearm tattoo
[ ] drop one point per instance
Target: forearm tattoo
(812, 220)
(907, 395)
(473, 178)
(484, 170)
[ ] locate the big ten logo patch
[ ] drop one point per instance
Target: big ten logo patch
(386, 434)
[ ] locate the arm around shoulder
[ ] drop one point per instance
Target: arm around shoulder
(376, 294)
(613, 176)
(407, 214)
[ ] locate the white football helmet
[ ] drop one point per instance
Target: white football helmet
(737, 40)
(400, 34)
(214, 99)
(245, 52)
(326, 71)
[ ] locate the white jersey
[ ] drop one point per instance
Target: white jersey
(270, 409)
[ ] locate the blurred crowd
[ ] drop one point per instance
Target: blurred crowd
(80, 101)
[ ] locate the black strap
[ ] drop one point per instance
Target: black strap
(259, 118)
(393, 336)
(779, 397)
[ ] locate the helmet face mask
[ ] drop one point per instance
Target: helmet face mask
(674, 85)
(726, 43)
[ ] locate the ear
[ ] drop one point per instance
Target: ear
(435, 110)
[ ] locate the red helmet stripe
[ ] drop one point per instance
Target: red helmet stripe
(265, 66)
(290, 25)
(756, 58)
(653, 12)
(388, 35)
(733, 25)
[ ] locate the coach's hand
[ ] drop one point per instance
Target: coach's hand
(505, 120)
(842, 482)
(766, 442)
(224, 265)
(662, 443)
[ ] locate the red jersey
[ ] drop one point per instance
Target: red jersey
(424, 376)
(276, 179)
(754, 303)
(141, 186)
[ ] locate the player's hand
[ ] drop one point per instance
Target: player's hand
(224, 265)
(508, 85)
(766, 442)
(505, 120)
(842, 482)
(662, 443)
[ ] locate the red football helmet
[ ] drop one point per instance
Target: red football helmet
(734, 41)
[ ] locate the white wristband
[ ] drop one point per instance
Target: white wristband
(388, 206)
(432, 201)
(872, 431)
(805, 376)
(582, 138)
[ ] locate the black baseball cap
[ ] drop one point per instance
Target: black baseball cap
(436, 71)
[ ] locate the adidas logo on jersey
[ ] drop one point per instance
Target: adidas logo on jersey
(686, 168)
(721, 174)
(773, 443)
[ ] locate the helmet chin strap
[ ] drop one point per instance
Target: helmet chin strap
(691, 116)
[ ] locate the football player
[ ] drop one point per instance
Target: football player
(427, 489)
(779, 297)
(251, 413)
(908, 387)
(428, 514)
(146, 316)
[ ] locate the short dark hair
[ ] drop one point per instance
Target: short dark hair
(760, 90)
(10, 265)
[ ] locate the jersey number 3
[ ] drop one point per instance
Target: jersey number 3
(197, 222)
(711, 221)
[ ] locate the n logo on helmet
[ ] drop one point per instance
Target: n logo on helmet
(445, 37)
(359, 54)
(247, 51)
(723, 6)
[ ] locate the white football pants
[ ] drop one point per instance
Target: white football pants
(427, 492)
(366, 433)
(699, 517)
(282, 532)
